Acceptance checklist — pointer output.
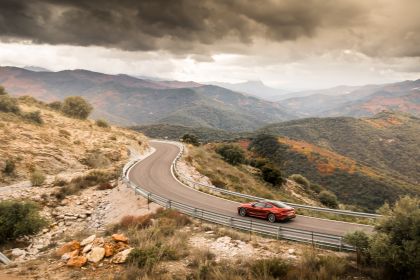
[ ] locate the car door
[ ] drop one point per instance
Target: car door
(258, 209)
(266, 210)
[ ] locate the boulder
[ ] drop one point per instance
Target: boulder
(120, 246)
(98, 242)
(88, 240)
(109, 249)
(121, 257)
(77, 261)
(119, 238)
(96, 254)
(68, 247)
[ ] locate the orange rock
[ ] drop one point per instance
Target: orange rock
(68, 247)
(119, 238)
(77, 261)
(109, 249)
(69, 255)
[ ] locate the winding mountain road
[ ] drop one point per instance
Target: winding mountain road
(153, 174)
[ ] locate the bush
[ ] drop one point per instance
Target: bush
(18, 219)
(271, 175)
(232, 154)
(56, 105)
(37, 178)
(102, 123)
(9, 167)
(190, 139)
(300, 180)
(328, 199)
(76, 107)
(137, 222)
(96, 159)
(2, 91)
(34, 116)
(8, 104)
(265, 268)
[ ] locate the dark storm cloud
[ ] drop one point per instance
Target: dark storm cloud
(180, 26)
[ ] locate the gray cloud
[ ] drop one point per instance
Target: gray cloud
(200, 27)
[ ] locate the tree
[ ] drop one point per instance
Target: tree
(300, 180)
(360, 240)
(265, 145)
(76, 107)
(272, 175)
(396, 244)
(190, 139)
(232, 154)
(328, 199)
(18, 219)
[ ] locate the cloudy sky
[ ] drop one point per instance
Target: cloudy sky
(288, 44)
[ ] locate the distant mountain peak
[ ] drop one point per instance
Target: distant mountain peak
(36, 68)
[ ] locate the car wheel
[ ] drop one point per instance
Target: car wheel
(242, 212)
(271, 218)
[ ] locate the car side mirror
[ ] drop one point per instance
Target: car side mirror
(253, 205)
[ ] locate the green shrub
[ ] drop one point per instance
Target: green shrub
(190, 139)
(9, 167)
(8, 104)
(232, 154)
(300, 180)
(96, 159)
(102, 123)
(76, 107)
(37, 178)
(34, 116)
(271, 175)
(56, 105)
(18, 219)
(328, 199)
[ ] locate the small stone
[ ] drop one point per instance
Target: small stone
(96, 254)
(121, 257)
(77, 261)
(119, 238)
(291, 251)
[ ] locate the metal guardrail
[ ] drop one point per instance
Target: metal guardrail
(195, 185)
(276, 231)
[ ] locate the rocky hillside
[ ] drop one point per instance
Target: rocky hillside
(60, 145)
(129, 101)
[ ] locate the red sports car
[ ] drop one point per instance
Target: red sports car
(271, 210)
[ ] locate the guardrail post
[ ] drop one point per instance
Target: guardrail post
(341, 244)
(148, 201)
(231, 222)
(168, 204)
(278, 233)
(312, 237)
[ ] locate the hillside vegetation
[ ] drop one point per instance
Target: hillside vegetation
(352, 182)
(388, 141)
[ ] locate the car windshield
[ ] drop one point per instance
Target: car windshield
(279, 204)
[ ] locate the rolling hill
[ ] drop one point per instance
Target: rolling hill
(127, 100)
(364, 161)
(357, 101)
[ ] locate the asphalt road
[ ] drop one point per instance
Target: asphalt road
(153, 174)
